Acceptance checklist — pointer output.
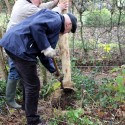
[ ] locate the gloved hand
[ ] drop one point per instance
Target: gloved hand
(49, 52)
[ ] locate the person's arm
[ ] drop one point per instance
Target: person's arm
(49, 5)
(38, 33)
(43, 43)
(61, 7)
(45, 29)
(47, 62)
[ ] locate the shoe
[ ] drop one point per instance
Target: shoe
(11, 92)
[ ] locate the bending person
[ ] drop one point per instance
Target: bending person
(36, 36)
(21, 10)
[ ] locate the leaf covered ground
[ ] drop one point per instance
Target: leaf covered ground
(98, 100)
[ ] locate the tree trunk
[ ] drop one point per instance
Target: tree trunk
(3, 65)
(3, 68)
(65, 56)
(8, 6)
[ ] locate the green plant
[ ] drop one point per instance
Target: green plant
(3, 21)
(120, 87)
(49, 88)
(105, 95)
(102, 18)
(74, 116)
(2, 95)
(2, 87)
(97, 17)
(113, 91)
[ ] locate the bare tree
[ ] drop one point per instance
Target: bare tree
(8, 6)
(2, 61)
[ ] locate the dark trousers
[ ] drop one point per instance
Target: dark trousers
(31, 83)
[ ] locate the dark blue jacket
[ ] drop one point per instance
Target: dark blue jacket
(36, 33)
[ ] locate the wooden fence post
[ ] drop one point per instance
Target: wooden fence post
(65, 56)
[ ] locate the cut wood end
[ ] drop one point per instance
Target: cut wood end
(68, 87)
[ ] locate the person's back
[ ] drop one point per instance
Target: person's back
(23, 9)
(20, 35)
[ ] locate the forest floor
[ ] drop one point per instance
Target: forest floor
(94, 112)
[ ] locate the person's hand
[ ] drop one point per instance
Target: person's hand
(63, 5)
(49, 52)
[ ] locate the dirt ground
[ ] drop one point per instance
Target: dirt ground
(50, 108)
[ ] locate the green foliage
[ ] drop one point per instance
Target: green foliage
(49, 88)
(102, 18)
(79, 78)
(120, 87)
(120, 84)
(3, 21)
(46, 90)
(88, 45)
(113, 91)
(108, 47)
(2, 95)
(77, 44)
(73, 117)
(2, 87)
(106, 94)
(115, 70)
(97, 18)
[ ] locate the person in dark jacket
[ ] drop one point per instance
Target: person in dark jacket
(34, 37)
(21, 10)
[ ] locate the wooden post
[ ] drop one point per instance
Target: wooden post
(65, 56)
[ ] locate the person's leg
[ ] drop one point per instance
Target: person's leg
(28, 73)
(12, 81)
(21, 86)
(23, 101)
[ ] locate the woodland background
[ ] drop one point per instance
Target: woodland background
(97, 53)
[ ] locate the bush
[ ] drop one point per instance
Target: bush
(102, 18)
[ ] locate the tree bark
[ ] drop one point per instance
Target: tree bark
(3, 68)
(3, 65)
(8, 6)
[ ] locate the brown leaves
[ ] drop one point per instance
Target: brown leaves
(103, 114)
(120, 113)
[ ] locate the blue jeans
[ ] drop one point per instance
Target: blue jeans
(13, 73)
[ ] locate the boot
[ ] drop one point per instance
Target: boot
(10, 93)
